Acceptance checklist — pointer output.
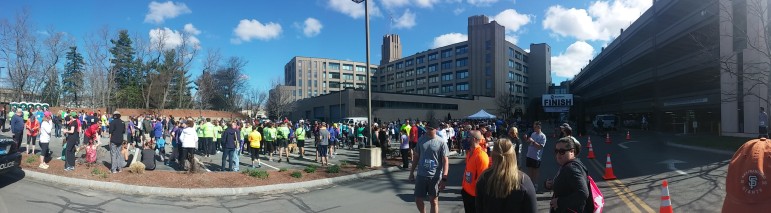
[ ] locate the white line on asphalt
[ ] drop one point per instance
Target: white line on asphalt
(269, 166)
(626, 147)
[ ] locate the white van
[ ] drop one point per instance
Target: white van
(608, 122)
(353, 120)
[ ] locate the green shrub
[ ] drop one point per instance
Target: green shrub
(310, 169)
(333, 169)
(361, 166)
(261, 174)
(32, 159)
(343, 163)
(296, 174)
(97, 172)
(282, 170)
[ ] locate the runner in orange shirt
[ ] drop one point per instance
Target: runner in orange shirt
(476, 162)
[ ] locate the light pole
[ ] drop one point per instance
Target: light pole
(369, 83)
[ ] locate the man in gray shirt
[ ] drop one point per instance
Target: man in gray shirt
(430, 158)
(323, 144)
(534, 151)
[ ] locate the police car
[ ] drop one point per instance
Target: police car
(10, 158)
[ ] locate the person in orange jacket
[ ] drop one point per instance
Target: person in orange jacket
(476, 162)
(33, 129)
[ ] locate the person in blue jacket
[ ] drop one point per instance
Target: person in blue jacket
(17, 127)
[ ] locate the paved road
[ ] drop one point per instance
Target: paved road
(637, 190)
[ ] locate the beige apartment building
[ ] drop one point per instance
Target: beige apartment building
(311, 77)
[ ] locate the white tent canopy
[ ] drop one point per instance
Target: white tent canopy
(482, 114)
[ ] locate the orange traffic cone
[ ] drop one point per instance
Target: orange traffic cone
(591, 151)
(666, 204)
(608, 170)
(607, 137)
(628, 137)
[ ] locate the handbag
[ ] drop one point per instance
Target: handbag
(598, 201)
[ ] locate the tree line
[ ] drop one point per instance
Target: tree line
(115, 69)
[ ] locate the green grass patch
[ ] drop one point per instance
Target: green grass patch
(99, 173)
(361, 166)
(333, 169)
(310, 169)
(711, 141)
(343, 163)
(282, 169)
(32, 159)
(261, 174)
(296, 174)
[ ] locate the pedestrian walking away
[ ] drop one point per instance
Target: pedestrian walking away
(116, 131)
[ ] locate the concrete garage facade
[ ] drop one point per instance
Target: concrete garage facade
(687, 66)
(388, 107)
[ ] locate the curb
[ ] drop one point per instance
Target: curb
(160, 191)
(716, 151)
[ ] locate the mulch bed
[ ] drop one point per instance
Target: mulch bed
(171, 179)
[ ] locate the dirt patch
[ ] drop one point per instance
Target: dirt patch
(177, 113)
(171, 179)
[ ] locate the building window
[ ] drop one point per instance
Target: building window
(324, 84)
(525, 58)
(361, 69)
(334, 84)
(519, 88)
(489, 84)
(421, 59)
(461, 50)
(519, 78)
(421, 70)
(447, 88)
(409, 72)
(511, 76)
(361, 77)
(432, 68)
(408, 62)
(391, 77)
(347, 76)
(400, 65)
(299, 83)
(511, 64)
(461, 74)
(433, 90)
(390, 68)
(409, 91)
(511, 52)
(524, 89)
(409, 83)
(390, 86)
(372, 70)
(334, 75)
(525, 81)
(433, 79)
(524, 69)
(399, 84)
(421, 91)
(334, 66)
(447, 77)
(432, 56)
(461, 87)
(382, 79)
(461, 62)
(421, 81)
(488, 58)
(347, 85)
(348, 67)
(399, 75)
(446, 53)
(488, 71)
(446, 65)
(519, 55)
(519, 66)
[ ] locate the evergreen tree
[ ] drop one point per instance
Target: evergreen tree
(72, 77)
(124, 68)
(51, 90)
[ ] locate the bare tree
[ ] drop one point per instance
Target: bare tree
(183, 56)
(280, 100)
(19, 48)
(54, 48)
(100, 80)
(505, 104)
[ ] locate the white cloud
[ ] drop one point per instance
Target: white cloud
(165, 39)
(426, 3)
(353, 9)
(394, 3)
(482, 2)
(447, 39)
(253, 29)
(312, 27)
(189, 28)
(512, 20)
(527, 50)
(406, 21)
(458, 11)
(160, 11)
(569, 63)
(512, 38)
(602, 21)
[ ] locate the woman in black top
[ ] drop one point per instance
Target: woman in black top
(502, 187)
(571, 192)
(73, 136)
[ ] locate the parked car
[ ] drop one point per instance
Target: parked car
(10, 158)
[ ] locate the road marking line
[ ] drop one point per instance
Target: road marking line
(270, 166)
(626, 147)
(634, 197)
(621, 195)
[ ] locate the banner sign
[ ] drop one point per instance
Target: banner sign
(557, 100)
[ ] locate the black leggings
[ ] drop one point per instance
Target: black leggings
(468, 202)
(31, 140)
(70, 151)
(255, 153)
(44, 150)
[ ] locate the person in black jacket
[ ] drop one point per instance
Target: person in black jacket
(17, 128)
(116, 131)
(502, 187)
(230, 140)
(571, 190)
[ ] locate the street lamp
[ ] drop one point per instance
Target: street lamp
(369, 83)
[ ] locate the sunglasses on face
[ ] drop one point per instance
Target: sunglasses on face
(561, 151)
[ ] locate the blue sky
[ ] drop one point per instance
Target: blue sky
(269, 33)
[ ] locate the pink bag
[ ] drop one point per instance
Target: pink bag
(597, 198)
(90, 154)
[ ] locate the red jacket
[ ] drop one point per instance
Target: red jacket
(93, 131)
(414, 134)
(33, 127)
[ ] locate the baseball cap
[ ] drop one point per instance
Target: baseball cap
(565, 125)
(747, 188)
(432, 125)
